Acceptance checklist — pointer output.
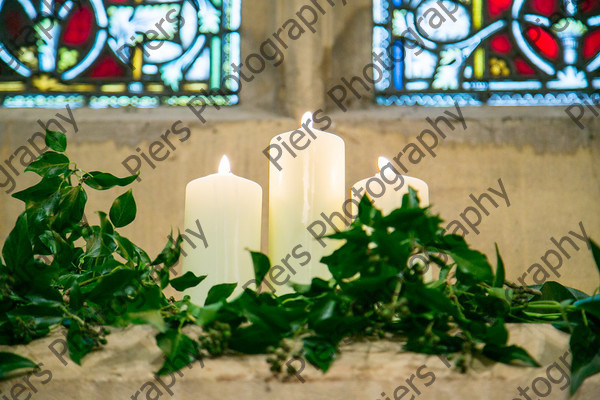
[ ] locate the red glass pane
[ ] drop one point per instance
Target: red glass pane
(500, 44)
(589, 5)
(523, 67)
(79, 27)
(497, 7)
(591, 44)
(107, 67)
(544, 7)
(15, 24)
(543, 41)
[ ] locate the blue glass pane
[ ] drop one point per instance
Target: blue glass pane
(398, 59)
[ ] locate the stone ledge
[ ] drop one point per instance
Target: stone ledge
(473, 112)
(133, 114)
(363, 371)
(545, 129)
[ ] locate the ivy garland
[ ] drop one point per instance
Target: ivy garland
(57, 270)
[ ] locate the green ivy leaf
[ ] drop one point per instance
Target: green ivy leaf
(128, 250)
(497, 333)
(262, 265)
(37, 318)
(590, 305)
(57, 141)
(503, 294)
(405, 218)
(492, 306)
(509, 354)
(552, 290)
(17, 250)
(410, 199)
(499, 278)
(367, 214)
(150, 317)
(144, 306)
(99, 246)
(204, 315)
(261, 309)
(70, 207)
(79, 342)
(253, 339)
(75, 297)
(319, 351)
(112, 283)
(170, 253)
(596, 254)
(186, 281)
(123, 210)
(434, 298)
(168, 257)
(577, 294)
(41, 316)
(472, 265)
(105, 224)
(49, 164)
(219, 292)
(585, 353)
(41, 191)
(179, 350)
(10, 362)
(373, 288)
(103, 180)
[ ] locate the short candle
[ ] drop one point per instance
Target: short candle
(227, 208)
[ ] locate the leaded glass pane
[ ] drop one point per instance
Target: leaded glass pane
(111, 53)
(496, 52)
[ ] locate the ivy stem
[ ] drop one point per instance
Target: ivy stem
(563, 312)
(71, 315)
(548, 304)
(585, 320)
(91, 280)
(454, 299)
(525, 289)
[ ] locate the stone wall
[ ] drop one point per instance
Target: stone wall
(549, 167)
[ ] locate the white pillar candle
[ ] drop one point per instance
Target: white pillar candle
(306, 181)
(226, 209)
(387, 188)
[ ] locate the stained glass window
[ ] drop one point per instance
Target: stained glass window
(496, 52)
(111, 53)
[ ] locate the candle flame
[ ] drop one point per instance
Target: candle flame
(382, 162)
(307, 120)
(224, 166)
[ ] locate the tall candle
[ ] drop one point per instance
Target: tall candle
(387, 188)
(226, 210)
(306, 182)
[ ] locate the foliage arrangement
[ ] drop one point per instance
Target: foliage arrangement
(58, 270)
